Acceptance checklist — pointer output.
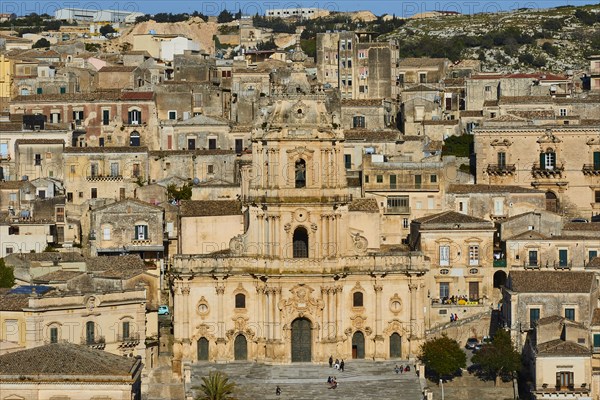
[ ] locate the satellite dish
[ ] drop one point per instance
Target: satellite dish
(196, 181)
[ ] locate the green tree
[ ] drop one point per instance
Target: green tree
(459, 146)
(41, 44)
(268, 45)
(550, 49)
(7, 277)
(106, 29)
(498, 358)
(216, 386)
(442, 356)
(224, 16)
(183, 193)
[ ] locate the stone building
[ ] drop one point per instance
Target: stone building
(44, 372)
(531, 295)
(39, 158)
(114, 321)
(460, 248)
(563, 161)
(103, 172)
(128, 227)
(308, 277)
(356, 64)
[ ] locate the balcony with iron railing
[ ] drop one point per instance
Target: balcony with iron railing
(397, 210)
(591, 170)
(104, 178)
(300, 199)
(501, 169)
(548, 172)
(501, 263)
(130, 340)
(96, 342)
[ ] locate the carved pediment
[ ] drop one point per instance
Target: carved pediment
(501, 142)
(301, 303)
(549, 137)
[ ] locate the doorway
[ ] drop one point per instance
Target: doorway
(395, 345)
(358, 345)
(240, 348)
(301, 340)
(202, 349)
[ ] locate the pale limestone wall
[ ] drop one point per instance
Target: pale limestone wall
(79, 391)
(71, 313)
(272, 307)
(547, 367)
(30, 238)
(460, 272)
(203, 235)
(573, 146)
(13, 329)
(578, 248)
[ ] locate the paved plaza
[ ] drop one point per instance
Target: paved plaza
(360, 380)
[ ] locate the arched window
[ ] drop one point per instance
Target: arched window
(300, 243)
(90, 332)
(134, 116)
(134, 138)
(240, 300)
(357, 299)
(300, 173)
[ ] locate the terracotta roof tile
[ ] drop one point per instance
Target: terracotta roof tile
(450, 218)
(117, 68)
(137, 96)
(467, 189)
(108, 263)
(13, 302)
(582, 226)
(39, 141)
(205, 208)
(57, 276)
(371, 136)
(60, 359)
(121, 149)
(559, 347)
(551, 281)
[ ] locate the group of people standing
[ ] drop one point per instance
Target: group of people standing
(338, 365)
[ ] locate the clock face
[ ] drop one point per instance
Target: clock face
(396, 306)
(203, 308)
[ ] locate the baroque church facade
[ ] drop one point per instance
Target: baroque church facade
(309, 277)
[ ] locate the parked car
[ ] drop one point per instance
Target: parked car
(486, 340)
(471, 343)
(163, 310)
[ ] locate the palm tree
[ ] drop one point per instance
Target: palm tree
(216, 386)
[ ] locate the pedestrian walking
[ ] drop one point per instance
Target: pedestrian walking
(330, 361)
(342, 366)
(278, 390)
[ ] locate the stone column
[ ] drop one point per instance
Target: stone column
(220, 354)
(338, 302)
(187, 354)
(379, 353)
(260, 316)
(413, 317)
(268, 300)
(323, 316)
(274, 313)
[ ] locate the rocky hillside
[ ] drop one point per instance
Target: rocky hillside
(556, 39)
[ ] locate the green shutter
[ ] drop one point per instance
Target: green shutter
(542, 160)
(596, 340)
(597, 160)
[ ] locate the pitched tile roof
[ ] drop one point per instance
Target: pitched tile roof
(39, 141)
(480, 188)
(205, 208)
(594, 263)
(364, 205)
(117, 68)
(559, 347)
(68, 256)
(452, 217)
(551, 281)
(582, 226)
(137, 96)
(13, 302)
(13, 184)
(65, 359)
(421, 88)
(370, 135)
(57, 276)
(120, 149)
(106, 263)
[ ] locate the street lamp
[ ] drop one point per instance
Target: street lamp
(442, 385)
